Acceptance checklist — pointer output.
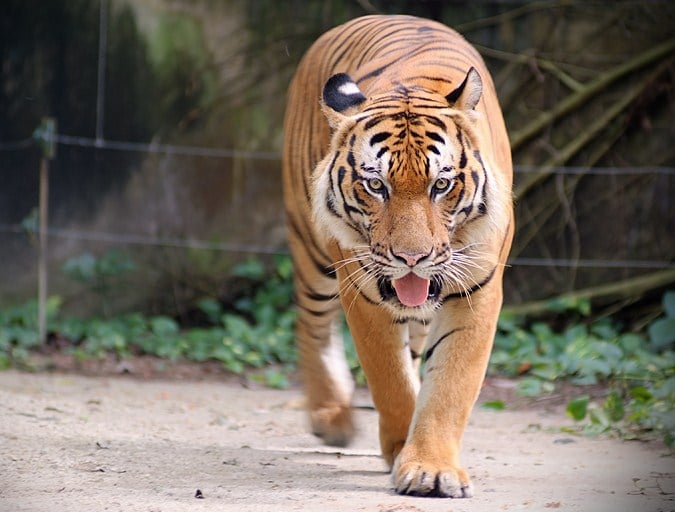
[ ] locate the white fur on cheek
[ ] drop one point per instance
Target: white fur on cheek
(327, 224)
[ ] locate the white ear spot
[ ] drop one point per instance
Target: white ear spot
(341, 93)
(349, 89)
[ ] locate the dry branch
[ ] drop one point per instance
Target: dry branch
(630, 288)
(509, 16)
(580, 97)
(571, 148)
(576, 144)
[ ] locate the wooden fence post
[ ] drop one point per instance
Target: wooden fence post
(45, 135)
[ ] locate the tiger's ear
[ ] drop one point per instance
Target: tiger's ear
(467, 95)
(339, 95)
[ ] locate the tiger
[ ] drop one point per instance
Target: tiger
(397, 188)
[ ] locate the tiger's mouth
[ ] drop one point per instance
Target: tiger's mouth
(410, 291)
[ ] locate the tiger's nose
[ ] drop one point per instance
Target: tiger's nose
(411, 259)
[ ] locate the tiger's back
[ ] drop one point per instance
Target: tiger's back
(397, 176)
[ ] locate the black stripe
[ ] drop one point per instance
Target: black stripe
(320, 297)
(373, 121)
(436, 122)
(330, 202)
(316, 313)
(462, 158)
(361, 201)
(482, 207)
(435, 136)
(349, 209)
(460, 195)
(467, 210)
(350, 160)
(379, 137)
(471, 290)
(311, 247)
(430, 350)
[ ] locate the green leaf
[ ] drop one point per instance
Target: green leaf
(669, 439)
(530, 387)
(285, 267)
(546, 370)
(163, 326)
(541, 331)
(662, 333)
(508, 322)
(495, 405)
(641, 394)
(564, 304)
(251, 268)
(586, 380)
(276, 379)
(211, 308)
(598, 416)
(613, 407)
(669, 303)
(577, 408)
(81, 268)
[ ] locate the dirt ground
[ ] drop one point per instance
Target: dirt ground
(74, 444)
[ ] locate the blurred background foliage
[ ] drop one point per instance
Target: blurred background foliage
(582, 84)
(166, 224)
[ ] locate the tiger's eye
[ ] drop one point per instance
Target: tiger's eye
(442, 184)
(375, 184)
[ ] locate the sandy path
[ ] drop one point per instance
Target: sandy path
(77, 444)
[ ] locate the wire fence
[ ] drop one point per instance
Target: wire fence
(178, 150)
(131, 239)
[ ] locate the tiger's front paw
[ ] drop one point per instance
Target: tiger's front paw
(333, 424)
(431, 475)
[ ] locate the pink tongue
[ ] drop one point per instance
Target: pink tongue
(411, 290)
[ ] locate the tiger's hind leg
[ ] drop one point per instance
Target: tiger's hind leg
(327, 381)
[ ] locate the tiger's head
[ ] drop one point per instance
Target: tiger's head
(404, 189)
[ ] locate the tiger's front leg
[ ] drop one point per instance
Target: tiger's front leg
(386, 361)
(456, 359)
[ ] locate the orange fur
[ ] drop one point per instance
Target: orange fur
(397, 187)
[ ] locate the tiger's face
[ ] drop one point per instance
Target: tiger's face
(401, 183)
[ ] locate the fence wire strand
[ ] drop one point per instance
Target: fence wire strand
(180, 150)
(188, 243)
(191, 243)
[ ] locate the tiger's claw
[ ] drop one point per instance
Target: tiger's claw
(431, 479)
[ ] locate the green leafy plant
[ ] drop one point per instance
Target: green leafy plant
(254, 334)
(100, 274)
(638, 371)
(19, 330)
(662, 330)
